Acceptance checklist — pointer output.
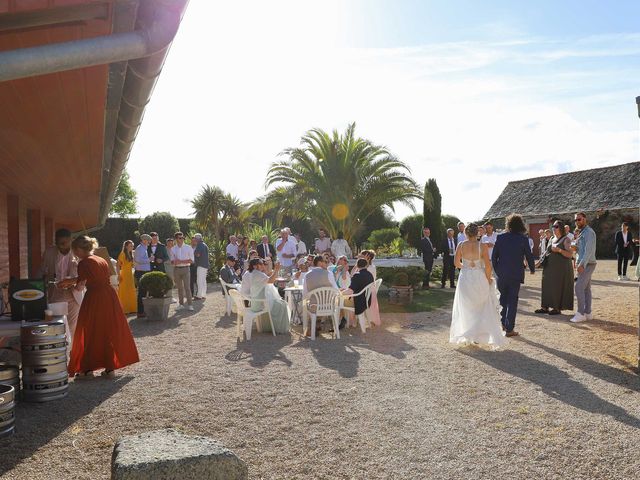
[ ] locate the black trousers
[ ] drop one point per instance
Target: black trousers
(448, 270)
(141, 291)
(623, 261)
(428, 268)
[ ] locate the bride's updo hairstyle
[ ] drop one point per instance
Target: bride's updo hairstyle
(85, 243)
(471, 231)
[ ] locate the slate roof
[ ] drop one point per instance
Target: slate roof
(609, 188)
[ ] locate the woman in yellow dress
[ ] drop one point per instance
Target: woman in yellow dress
(126, 285)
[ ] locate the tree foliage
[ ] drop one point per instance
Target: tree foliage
(449, 221)
(165, 224)
(432, 211)
(339, 180)
(411, 229)
(383, 237)
(218, 213)
(125, 201)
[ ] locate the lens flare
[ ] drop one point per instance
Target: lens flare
(340, 211)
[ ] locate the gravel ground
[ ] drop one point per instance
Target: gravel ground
(560, 402)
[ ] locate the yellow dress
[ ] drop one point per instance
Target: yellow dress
(126, 285)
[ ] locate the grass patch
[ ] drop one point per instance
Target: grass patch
(423, 301)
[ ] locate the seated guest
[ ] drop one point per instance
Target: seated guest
(303, 269)
(317, 277)
(360, 279)
(341, 273)
(262, 288)
(228, 274)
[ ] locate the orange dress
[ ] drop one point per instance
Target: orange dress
(103, 338)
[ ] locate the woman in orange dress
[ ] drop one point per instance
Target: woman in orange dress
(126, 284)
(103, 338)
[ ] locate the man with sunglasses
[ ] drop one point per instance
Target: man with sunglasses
(586, 264)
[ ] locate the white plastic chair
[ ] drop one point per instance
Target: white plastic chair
(225, 289)
(326, 305)
(246, 315)
(369, 290)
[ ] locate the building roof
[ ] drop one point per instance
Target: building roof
(608, 188)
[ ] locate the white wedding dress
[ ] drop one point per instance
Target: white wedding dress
(475, 317)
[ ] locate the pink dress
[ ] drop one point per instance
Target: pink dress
(374, 311)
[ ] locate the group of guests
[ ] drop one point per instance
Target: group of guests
(186, 264)
(100, 335)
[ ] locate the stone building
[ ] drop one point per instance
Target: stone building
(608, 195)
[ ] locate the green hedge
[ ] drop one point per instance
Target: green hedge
(414, 274)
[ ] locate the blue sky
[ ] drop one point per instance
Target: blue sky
(474, 94)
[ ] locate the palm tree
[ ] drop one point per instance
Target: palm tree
(338, 181)
(216, 212)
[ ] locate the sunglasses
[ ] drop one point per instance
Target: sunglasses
(557, 226)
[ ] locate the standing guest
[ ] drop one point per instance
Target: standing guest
(193, 270)
(489, 237)
(182, 261)
(624, 250)
(509, 253)
(168, 266)
(374, 310)
(481, 232)
(58, 263)
(158, 254)
(243, 252)
(228, 273)
(142, 265)
(265, 249)
(567, 232)
(103, 338)
(301, 247)
(461, 237)
(428, 254)
(201, 261)
(262, 288)
(557, 273)
(586, 264)
(543, 241)
(340, 247)
(232, 247)
(286, 250)
(126, 283)
(448, 250)
(323, 243)
(252, 245)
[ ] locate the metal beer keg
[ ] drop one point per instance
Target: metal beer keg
(7, 410)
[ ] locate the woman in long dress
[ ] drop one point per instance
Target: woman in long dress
(557, 274)
(374, 310)
(262, 288)
(103, 338)
(475, 317)
(126, 283)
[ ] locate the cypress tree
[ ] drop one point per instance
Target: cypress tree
(432, 211)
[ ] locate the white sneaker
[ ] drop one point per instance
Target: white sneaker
(190, 308)
(179, 307)
(578, 317)
(174, 300)
(619, 278)
(588, 316)
(625, 278)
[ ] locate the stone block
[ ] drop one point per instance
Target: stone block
(171, 455)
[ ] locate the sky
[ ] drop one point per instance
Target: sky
(473, 94)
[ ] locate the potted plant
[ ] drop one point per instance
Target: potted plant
(157, 285)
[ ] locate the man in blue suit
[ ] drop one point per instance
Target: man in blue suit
(509, 253)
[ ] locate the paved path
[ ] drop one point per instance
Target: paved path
(395, 403)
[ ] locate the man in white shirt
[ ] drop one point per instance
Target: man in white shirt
(323, 244)
(182, 258)
(461, 236)
(286, 250)
(567, 232)
(340, 247)
(232, 248)
(489, 238)
(302, 247)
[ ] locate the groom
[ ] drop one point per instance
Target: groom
(509, 252)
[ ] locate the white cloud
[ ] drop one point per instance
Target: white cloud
(238, 89)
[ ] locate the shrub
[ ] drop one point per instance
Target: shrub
(388, 275)
(411, 229)
(382, 237)
(401, 279)
(165, 224)
(157, 284)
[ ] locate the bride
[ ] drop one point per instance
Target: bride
(475, 317)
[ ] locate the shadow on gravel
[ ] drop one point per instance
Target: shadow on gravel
(261, 350)
(39, 423)
(143, 327)
(558, 384)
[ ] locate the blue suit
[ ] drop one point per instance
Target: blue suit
(509, 253)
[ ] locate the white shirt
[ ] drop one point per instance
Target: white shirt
(531, 244)
(245, 286)
(461, 237)
(624, 237)
(290, 248)
(340, 247)
(489, 239)
(232, 249)
(452, 246)
(302, 247)
(185, 252)
(571, 236)
(323, 244)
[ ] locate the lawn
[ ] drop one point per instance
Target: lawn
(423, 301)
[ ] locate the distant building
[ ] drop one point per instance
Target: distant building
(608, 196)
